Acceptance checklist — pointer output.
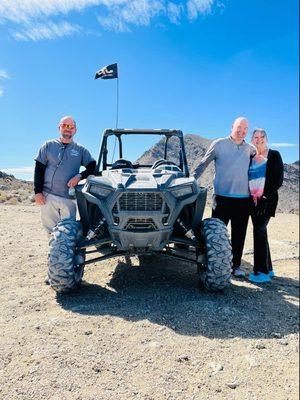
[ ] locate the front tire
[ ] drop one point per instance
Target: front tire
(215, 273)
(65, 267)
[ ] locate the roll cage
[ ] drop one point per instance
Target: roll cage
(118, 133)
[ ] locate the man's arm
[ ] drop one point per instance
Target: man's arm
(89, 170)
(209, 156)
(39, 176)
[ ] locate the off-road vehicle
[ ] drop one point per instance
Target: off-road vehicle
(132, 209)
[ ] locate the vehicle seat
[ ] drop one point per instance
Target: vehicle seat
(121, 164)
(162, 161)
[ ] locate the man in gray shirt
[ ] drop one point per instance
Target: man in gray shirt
(57, 171)
(232, 157)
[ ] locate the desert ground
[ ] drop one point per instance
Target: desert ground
(145, 332)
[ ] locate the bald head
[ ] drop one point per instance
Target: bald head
(67, 119)
(67, 128)
(239, 129)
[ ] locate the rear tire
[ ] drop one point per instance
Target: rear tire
(65, 268)
(215, 274)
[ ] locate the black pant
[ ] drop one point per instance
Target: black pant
(236, 210)
(262, 256)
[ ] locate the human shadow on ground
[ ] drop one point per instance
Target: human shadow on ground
(167, 293)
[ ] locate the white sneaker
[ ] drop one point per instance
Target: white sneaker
(238, 273)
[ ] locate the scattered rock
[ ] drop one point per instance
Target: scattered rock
(260, 346)
(276, 335)
(4, 187)
(232, 385)
(283, 342)
(183, 358)
(216, 367)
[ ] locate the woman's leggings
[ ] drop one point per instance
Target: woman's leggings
(262, 256)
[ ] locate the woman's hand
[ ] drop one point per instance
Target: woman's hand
(262, 206)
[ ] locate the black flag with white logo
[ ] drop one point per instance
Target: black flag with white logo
(108, 72)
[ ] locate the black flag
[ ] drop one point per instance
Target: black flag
(108, 72)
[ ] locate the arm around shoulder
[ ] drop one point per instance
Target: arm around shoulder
(209, 156)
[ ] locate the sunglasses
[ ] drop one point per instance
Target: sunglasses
(67, 126)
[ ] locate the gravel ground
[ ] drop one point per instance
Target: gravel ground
(145, 332)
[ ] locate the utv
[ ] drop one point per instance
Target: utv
(140, 209)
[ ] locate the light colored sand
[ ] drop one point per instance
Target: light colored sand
(144, 332)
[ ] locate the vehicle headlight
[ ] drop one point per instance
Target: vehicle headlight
(100, 191)
(182, 191)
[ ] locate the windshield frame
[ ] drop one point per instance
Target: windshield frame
(118, 133)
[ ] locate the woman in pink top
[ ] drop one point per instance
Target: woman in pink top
(265, 178)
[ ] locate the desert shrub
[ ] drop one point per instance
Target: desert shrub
(3, 197)
(13, 200)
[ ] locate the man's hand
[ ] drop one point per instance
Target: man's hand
(40, 199)
(74, 181)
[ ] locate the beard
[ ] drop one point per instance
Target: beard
(67, 136)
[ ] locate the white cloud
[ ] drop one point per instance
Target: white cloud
(117, 15)
(3, 74)
(283, 144)
(135, 12)
(196, 7)
(175, 12)
(46, 31)
(25, 10)
(18, 170)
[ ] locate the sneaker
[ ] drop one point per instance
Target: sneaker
(238, 273)
(259, 278)
(271, 274)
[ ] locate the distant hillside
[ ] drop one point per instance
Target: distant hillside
(196, 147)
(15, 191)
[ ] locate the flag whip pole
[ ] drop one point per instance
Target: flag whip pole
(117, 114)
(117, 120)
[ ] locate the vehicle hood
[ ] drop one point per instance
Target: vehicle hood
(142, 179)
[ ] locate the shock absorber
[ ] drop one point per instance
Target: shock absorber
(188, 232)
(98, 229)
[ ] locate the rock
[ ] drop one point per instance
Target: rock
(232, 385)
(182, 358)
(283, 342)
(216, 367)
(276, 335)
(260, 346)
(87, 333)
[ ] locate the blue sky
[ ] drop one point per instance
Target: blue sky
(193, 65)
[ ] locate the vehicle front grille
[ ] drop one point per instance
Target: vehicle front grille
(140, 224)
(140, 201)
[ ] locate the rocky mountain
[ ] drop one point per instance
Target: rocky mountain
(196, 147)
(15, 191)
